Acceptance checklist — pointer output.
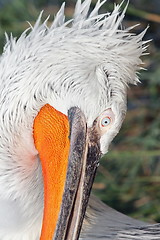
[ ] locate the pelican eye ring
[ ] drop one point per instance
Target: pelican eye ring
(106, 121)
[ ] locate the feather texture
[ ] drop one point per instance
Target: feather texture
(103, 222)
(87, 62)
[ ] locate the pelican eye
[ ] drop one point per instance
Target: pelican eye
(106, 121)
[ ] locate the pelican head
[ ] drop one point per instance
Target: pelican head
(63, 99)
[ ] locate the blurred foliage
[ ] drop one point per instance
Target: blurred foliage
(128, 178)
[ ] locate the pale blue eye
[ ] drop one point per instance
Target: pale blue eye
(105, 121)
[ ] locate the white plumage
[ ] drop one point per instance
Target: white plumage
(86, 62)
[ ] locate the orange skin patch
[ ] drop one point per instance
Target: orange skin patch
(51, 131)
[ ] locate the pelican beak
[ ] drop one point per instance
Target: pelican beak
(83, 161)
(69, 153)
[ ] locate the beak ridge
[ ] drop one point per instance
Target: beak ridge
(83, 161)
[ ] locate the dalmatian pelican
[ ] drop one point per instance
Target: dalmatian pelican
(62, 101)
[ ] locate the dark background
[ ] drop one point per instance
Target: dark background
(128, 178)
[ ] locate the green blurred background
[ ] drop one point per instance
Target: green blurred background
(128, 178)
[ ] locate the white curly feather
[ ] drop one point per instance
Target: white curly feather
(87, 62)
